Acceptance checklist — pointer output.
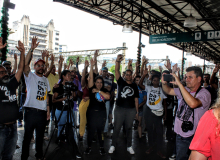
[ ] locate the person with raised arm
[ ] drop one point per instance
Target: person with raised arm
(126, 106)
(194, 102)
(36, 107)
(85, 101)
(156, 111)
(96, 112)
(9, 110)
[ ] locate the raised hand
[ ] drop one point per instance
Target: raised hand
(174, 68)
(92, 62)
(47, 54)
(1, 45)
(130, 62)
(52, 57)
(65, 65)
(77, 59)
(215, 70)
(119, 58)
(44, 53)
(71, 62)
(178, 69)
(34, 43)
(149, 67)
(160, 68)
(96, 53)
(86, 63)
(104, 64)
(61, 59)
(137, 64)
(168, 66)
(145, 71)
(15, 56)
(20, 47)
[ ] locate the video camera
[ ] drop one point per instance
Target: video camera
(68, 87)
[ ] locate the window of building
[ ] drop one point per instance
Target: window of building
(57, 34)
(56, 43)
(57, 39)
(56, 49)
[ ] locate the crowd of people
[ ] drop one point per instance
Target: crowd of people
(151, 100)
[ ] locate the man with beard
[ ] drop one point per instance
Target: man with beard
(7, 65)
(36, 105)
(8, 107)
(126, 106)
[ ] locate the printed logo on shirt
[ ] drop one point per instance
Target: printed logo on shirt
(127, 92)
(42, 91)
(99, 97)
(11, 98)
(154, 97)
(184, 112)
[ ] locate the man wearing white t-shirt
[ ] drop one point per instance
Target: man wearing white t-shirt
(36, 107)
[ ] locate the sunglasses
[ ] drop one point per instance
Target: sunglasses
(8, 67)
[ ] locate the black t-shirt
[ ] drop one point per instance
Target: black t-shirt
(9, 110)
(126, 94)
(60, 91)
(97, 101)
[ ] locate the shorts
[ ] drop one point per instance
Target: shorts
(140, 113)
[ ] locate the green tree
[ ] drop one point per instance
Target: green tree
(81, 59)
(112, 69)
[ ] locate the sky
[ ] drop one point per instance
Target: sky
(80, 30)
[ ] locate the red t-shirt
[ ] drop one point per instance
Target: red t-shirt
(207, 137)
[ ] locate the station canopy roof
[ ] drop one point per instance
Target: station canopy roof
(160, 17)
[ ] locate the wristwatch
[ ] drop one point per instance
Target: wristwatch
(99, 92)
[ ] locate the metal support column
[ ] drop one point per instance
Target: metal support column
(140, 44)
(204, 66)
(183, 62)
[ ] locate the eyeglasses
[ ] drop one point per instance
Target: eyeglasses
(38, 66)
(3, 72)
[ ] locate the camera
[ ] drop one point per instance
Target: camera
(187, 126)
(167, 77)
(68, 87)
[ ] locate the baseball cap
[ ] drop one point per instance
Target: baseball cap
(38, 60)
(104, 68)
(73, 68)
(6, 63)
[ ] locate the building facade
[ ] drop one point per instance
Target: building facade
(25, 31)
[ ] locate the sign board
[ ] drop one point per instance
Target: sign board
(185, 37)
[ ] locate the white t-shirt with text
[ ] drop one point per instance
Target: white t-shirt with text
(155, 97)
(37, 90)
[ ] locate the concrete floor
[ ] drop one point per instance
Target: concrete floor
(120, 154)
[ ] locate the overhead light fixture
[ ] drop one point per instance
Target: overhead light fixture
(190, 22)
(127, 28)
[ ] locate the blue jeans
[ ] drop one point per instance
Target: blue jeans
(8, 140)
(182, 147)
(62, 120)
(107, 106)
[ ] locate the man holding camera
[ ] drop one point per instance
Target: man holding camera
(194, 101)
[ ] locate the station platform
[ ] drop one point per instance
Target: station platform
(139, 146)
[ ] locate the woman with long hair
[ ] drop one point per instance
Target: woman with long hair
(206, 141)
(96, 112)
(59, 100)
(85, 101)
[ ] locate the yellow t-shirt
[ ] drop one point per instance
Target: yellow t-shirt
(52, 80)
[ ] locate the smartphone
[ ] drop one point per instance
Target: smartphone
(167, 77)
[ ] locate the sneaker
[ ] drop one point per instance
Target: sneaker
(88, 150)
(78, 155)
(20, 124)
(173, 157)
(130, 150)
(102, 151)
(111, 150)
(111, 126)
